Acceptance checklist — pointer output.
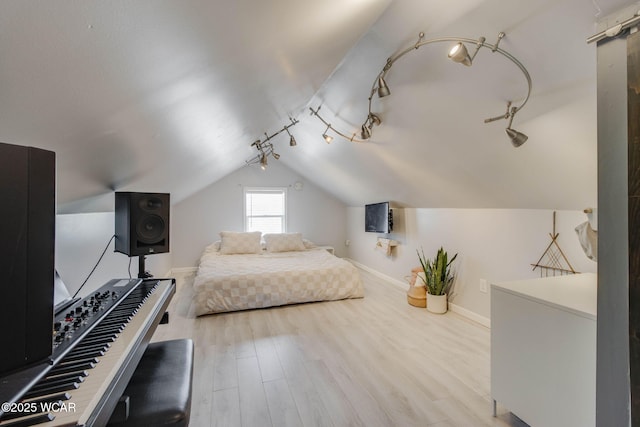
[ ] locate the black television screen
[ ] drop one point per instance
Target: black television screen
(378, 218)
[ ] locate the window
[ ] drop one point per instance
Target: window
(265, 209)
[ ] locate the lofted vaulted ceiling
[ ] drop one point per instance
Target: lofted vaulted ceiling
(167, 96)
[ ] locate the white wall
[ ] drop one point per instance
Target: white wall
(81, 238)
(492, 244)
(198, 219)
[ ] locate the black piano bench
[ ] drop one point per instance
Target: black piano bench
(159, 391)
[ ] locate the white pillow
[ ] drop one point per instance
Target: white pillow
(240, 243)
(284, 242)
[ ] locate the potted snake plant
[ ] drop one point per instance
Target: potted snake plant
(438, 279)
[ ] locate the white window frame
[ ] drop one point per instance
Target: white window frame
(282, 190)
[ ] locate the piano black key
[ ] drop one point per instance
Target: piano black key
(84, 355)
(115, 328)
(58, 369)
(125, 305)
(54, 382)
(60, 397)
(114, 322)
(114, 317)
(89, 341)
(93, 347)
(78, 362)
(31, 421)
(103, 340)
(51, 390)
(99, 339)
(69, 375)
(66, 376)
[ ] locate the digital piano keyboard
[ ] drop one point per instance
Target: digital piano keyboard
(97, 344)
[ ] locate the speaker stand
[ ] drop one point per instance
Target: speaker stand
(142, 274)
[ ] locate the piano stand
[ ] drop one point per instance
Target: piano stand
(159, 391)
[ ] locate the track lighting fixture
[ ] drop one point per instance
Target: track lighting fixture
(292, 140)
(383, 89)
(517, 138)
(457, 53)
(265, 147)
(326, 136)
(374, 119)
(366, 132)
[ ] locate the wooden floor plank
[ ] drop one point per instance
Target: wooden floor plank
(282, 406)
(226, 409)
(254, 411)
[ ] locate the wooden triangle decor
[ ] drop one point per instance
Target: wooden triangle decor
(553, 261)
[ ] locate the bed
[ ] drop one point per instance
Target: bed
(235, 277)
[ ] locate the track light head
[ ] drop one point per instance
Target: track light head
(292, 140)
(459, 53)
(365, 132)
(374, 119)
(517, 138)
(275, 155)
(383, 89)
(263, 162)
(328, 138)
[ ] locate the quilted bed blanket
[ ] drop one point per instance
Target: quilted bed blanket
(240, 282)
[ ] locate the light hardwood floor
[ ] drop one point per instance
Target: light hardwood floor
(375, 361)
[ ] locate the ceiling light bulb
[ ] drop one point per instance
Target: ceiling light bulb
(459, 53)
(326, 136)
(292, 142)
(517, 138)
(275, 155)
(383, 89)
(374, 119)
(263, 162)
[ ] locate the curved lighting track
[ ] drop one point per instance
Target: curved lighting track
(459, 54)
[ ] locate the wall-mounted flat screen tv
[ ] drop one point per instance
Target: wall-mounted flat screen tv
(378, 218)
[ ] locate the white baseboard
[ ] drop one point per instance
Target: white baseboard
(396, 282)
(399, 283)
(470, 315)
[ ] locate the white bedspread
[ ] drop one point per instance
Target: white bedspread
(240, 282)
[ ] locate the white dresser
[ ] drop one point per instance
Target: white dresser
(543, 349)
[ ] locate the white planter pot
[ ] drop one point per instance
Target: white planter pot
(437, 303)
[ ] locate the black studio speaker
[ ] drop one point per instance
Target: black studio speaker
(27, 247)
(142, 223)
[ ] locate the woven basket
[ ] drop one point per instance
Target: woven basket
(416, 295)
